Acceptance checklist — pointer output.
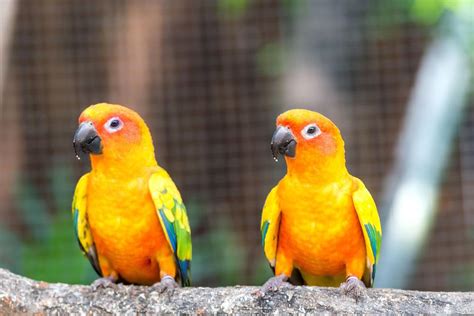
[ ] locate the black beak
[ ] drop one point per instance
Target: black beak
(283, 143)
(86, 140)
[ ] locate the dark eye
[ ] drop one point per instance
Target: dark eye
(113, 125)
(310, 131)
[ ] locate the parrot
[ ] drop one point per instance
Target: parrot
(129, 217)
(319, 224)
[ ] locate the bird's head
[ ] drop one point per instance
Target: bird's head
(308, 140)
(112, 132)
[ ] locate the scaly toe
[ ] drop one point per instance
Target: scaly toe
(107, 282)
(167, 283)
(274, 284)
(353, 287)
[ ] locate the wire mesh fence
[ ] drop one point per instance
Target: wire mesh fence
(209, 78)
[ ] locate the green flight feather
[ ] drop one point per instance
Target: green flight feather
(174, 221)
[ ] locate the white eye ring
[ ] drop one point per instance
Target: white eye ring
(310, 131)
(113, 125)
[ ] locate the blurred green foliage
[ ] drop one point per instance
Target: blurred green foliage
(424, 12)
(429, 12)
(463, 277)
(221, 242)
(57, 258)
(10, 248)
(294, 8)
(48, 251)
(237, 8)
(232, 8)
(270, 59)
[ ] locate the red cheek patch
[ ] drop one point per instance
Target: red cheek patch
(327, 144)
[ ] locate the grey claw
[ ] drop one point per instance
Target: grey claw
(274, 284)
(106, 282)
(353, 287)
(167, 283)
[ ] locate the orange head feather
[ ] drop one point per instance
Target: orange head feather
(122, 136)
(318, 147)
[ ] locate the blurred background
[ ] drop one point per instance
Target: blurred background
(209, 77)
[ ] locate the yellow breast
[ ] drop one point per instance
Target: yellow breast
(319, 228)
(125, 228)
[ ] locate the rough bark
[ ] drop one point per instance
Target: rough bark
(22, 295)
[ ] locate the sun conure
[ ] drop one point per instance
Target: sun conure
(129, 218)
(319, 225)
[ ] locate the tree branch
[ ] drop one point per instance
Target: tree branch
(22, 295)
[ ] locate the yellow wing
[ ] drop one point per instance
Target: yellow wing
(81, 225)
(174, 221)
(371, 228)
(270, 226)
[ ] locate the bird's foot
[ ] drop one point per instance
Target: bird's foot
(353, 287)
(273, 284)
(105, 282)
(167, 283)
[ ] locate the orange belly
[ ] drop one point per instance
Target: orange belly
(127, 234)
(320, 231)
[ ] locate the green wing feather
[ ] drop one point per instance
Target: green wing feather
(371, 228)
(81, 225)
(174, 221)
(270, 226)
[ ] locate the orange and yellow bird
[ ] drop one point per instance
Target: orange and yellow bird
(129, 218)
(319, 225)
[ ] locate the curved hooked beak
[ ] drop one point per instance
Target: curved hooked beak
(86, 140)
(283, 143)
